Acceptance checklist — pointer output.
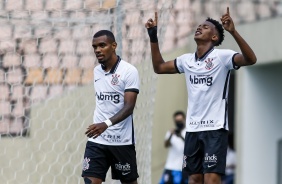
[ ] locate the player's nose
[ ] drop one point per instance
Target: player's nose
(97, 50)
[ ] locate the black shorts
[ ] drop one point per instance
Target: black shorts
(122, 160)
(205, 152)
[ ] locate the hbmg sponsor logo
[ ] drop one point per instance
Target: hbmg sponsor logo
(201, 79)
(108, 96)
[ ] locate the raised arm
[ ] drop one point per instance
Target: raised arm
(159, 65)
(248, 56)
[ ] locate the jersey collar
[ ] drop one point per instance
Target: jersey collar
(205, 55)
(114, 68)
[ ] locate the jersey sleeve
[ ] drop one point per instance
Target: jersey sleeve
(179, 64)
(227, 57)
(167, 135)
(132, 80)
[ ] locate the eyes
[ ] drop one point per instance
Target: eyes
(204, 26)
(101, 45)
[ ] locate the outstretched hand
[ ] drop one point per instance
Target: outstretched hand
(152, 23)
(227, 22)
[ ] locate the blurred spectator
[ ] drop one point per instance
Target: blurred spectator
(230, 162)
(174, 141)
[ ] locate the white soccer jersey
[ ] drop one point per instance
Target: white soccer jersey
(207, 80)
(175, 152)
(109, 91)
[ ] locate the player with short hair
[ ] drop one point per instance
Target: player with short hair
(207, 73)
(111, 137)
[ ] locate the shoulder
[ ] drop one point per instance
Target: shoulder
(224, 51)
(127, 66)
(186, 56)
(97, 68)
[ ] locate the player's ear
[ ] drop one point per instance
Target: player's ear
(114, 45)
(215, 38)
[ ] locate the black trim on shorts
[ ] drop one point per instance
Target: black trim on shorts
(226, 85)
(133, 138)
(235, 67)
(226, 114)
(132, 90)
(175, 65)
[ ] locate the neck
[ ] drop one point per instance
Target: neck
(203, 48)
(111, 62)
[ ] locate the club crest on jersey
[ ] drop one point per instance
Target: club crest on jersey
(115, 79)
(85, 164)
(209, 63)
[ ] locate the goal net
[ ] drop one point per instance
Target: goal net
(46, 76)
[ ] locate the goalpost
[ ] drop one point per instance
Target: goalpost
(46, 91)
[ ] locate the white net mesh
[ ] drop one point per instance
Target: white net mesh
(46, 73)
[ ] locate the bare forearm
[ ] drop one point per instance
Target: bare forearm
(167, 142)
(122, 114)
(246, 50)
(157, 58)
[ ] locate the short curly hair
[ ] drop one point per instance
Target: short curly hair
(219, 29)
(107, 33)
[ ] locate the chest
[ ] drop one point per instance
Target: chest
(109, 82)
(206, 66)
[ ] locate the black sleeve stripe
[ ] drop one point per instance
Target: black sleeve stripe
(132, 90)
(226, 85)
(175, 65)
(234, 65)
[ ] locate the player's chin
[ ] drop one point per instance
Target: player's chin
(101, 61)
(197, 37)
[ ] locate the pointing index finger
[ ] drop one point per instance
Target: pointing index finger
(227, 10)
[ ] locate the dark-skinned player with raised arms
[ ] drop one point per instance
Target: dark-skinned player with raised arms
(207, 73)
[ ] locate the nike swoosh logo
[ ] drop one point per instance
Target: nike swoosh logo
(211, 165)
(97, 80)
(123, 173)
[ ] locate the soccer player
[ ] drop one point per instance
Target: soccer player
(207, 73)
(111, 136)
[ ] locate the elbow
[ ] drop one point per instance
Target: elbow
(253, 61)
(130, 110)
(250, 61)
(157, 71)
